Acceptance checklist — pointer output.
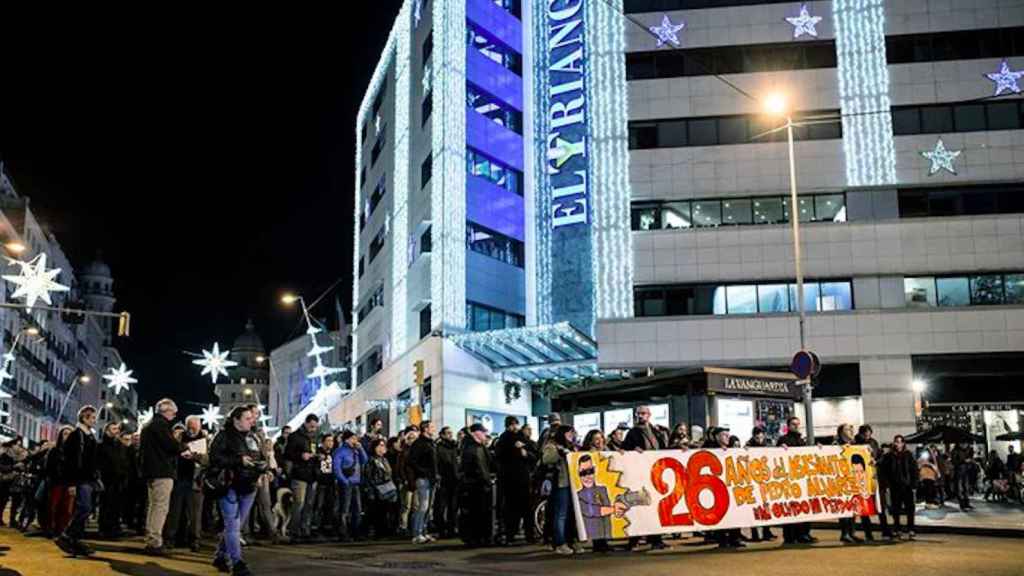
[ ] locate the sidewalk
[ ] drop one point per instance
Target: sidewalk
(987, 519)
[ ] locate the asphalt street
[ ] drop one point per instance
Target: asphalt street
(933, 554)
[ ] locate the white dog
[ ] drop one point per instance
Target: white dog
(283, 511)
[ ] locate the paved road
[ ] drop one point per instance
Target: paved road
(930, 555)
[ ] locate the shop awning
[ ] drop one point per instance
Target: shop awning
(534, 353)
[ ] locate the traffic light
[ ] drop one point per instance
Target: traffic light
(124, 324)
(418, 371)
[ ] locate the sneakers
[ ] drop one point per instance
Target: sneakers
(420, 540)
(577, 549)
(429, 538)
(564, 550)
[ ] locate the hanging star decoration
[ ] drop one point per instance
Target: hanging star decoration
(320, 370)
(667, 32)
(804, 23)
(34, 282)
(211, 416)
(215, 363)
(941, 158)
(145, 416)
(417, 13)
(1006, 80)
(264, 419)
(120, 378)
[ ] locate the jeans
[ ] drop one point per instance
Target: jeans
(351, 507)
(564, 524)
(83, 508)
(421, 504)
(233, 507)
(303, 499)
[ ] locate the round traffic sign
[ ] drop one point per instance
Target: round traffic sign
(805, 364)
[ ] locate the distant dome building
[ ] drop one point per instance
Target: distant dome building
(96, 284)
(250, 380)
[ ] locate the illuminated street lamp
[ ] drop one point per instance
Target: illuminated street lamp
(15, 247)
(777, 105)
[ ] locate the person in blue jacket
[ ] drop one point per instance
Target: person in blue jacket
(349, 459)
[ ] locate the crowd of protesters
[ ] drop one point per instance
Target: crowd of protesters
(175, 485)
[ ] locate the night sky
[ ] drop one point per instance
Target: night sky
(209, 156)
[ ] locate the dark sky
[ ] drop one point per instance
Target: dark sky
(209, 155)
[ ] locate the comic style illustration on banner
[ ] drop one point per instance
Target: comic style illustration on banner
(666, 491)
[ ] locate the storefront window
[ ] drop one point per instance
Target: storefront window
(737, 415)
(584, 423)
(612, 419)
(659, 415)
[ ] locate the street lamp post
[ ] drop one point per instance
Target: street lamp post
(83, 378)
(777, 105)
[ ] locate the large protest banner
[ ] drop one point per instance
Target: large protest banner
(667, 491)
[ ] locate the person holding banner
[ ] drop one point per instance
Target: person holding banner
(865, 436)
(844, 437)
(644, 436)
(795, 533)
(561, 442)
(719, 438)
(759, 439)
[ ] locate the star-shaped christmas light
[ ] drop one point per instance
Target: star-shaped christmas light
(34, 282)
(1006, 80)
(211, 416)
(215, 362)
(145, 416)
(941, 158)
(120, 378)
(804, 23)
(317, 349)
(667, 32)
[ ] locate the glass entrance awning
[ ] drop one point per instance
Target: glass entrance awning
(534, 353)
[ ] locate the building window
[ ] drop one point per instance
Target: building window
(377, 244)
(425, 170)
(428, 48)
(374, 200)
(494, 244)
(378, 101)
(494, 51)
(966, 290)
(481, 318)
(962, 117)
(730, 60)
(961, 200)
(955, 45)
(498, 174)
(426, 108)
(362, 267)
(370, 365)
(726, 130)
(741, 298)
(378, 146)
(494, 110)
(426, 241)
(425, 322)
(744, 211)
(374, 301)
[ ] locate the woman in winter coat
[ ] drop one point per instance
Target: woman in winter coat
(558, 444)
(381, 493)
(236, 459)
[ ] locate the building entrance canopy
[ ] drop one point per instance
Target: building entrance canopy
(534, 353)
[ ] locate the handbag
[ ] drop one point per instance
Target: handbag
(216, 483)
(387, 491)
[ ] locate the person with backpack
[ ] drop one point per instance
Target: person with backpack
(236, 464)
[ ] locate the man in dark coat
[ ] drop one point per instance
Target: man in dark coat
(177, 529)
(903, 479)
(446, 499)
(160, 453)
(422, 464)
(515, 464)
(477, 469)
(645, 436)
(303, 466)
(795, 533)
(80, 475)
(112, 461)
